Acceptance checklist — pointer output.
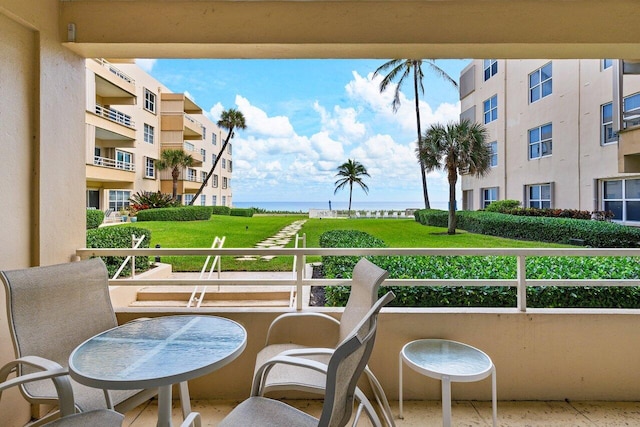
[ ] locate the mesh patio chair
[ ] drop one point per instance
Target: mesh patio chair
(61, 382)
(346, 364)
(53, 309)
(366, 280)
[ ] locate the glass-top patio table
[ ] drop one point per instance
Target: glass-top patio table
(157, 352)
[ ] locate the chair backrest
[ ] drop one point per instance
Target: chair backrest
(346, 365)
(53, 309)
(366, 280)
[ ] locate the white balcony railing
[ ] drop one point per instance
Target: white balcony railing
(115, 116)
(520, 282)
(114, 164)
(109, 66)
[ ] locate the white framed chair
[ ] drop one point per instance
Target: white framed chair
(62, 384)
(341, 374)
(53, 309)
(366, 280)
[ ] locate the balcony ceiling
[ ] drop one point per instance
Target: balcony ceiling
(107, 89)
(353, 29)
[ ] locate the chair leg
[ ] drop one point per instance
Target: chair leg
(368, 408)
(381, 397)
(185, 400)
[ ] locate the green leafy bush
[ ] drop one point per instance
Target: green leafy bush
(119, 237)
(241, 212)
(95, 217)
(184, 213)
(152, 200)
(597, 234)
(221, 210)
(502, 205)
(489, 268)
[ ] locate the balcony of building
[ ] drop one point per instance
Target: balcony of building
(112, 125)
(104, 169)
(188, 148)
(112, 85)
(188, 182)
(175, 118)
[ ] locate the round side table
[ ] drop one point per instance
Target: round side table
(448, 361)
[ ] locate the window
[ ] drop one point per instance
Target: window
(491, 109)
(607, 135)
(187, 199)
(215, 181)
(214, 200)
(189, 146)
(489, 195)
(213, 158)
(230, 166)
(622, 197)
(224, 200)
(204, 134)
(540, 143)
(214, 139)
(203, 175)
(229, 148)
(119, 199)
(149, 101)
(493, 160)
(540, 83)
(539, 196)
(203, 153)
(224, 163)
(224, 182)
(124, 161)
(192, 175)
(606, 63)
(149, 168)
(490, 68)
(203, 200)
(149, 133)
(631, 110)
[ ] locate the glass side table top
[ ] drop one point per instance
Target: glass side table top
(159, 351)
(444, 357)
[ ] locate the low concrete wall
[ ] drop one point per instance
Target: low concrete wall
(539, 355)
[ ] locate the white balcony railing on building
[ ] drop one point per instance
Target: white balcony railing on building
(167, 175)
(520, 282)
(631, 118)
(115, 116)
(109, 66)
(114, 164)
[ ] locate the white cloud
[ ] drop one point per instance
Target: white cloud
(260, 123)
(146, 64)
(214, 112)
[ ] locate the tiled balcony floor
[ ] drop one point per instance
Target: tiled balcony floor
(428, 413)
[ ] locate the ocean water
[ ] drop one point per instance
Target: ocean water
(335, 205)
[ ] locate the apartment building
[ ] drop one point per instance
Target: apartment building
(556, 134)
(130, 119)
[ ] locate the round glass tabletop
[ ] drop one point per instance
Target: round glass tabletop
(444, 357)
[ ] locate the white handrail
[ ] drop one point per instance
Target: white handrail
(298, 287)
(217, 244)
(135, 243)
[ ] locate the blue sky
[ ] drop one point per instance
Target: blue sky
(306, 117)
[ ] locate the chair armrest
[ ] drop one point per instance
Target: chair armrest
(50, 370)
(310, 351)
(263, 371)
(284, 319)
(192, 419)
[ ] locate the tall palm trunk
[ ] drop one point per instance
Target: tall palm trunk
(453, 179)
(350, 194)
(175, 174)
(425, 193)
(206, 180)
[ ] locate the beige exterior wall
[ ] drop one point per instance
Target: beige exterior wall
(578, 160)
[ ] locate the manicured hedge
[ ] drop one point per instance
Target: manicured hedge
(597, 234)
(480, 267)
(241, 212)
(119, 237)
(95, 217)
(184, 213)
(221, 210)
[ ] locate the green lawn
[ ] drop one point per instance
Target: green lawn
(244, 232)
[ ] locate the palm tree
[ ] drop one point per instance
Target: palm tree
(176, 160)
(229, 119)
(401, 69)
(351, 172)
(456, 148)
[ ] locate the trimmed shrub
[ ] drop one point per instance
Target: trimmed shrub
(597, 234)
(502, 205)
(241, 212)
(143, 200)
(221, 210)
(119, 237)
(95, 217)
(184, 213)
(551, 213)
(490, 268)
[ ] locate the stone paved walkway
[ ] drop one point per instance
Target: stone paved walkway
(279, 240)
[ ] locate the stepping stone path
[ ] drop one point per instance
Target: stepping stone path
(280, 240)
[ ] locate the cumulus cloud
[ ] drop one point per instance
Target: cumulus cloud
(146, 64)
(260, 123)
